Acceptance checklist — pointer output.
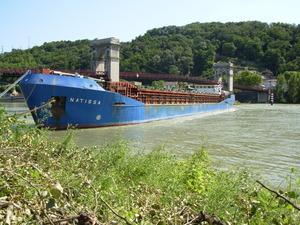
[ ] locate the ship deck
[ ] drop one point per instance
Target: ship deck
(159, 97)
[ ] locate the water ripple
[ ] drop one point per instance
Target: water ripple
(259, 137)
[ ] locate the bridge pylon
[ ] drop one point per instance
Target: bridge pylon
(106, 58)
(224, 69)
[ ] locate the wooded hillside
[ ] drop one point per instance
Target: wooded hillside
(190, 49)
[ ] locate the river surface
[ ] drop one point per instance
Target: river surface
(259, 137)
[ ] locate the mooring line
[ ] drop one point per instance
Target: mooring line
(36, 108)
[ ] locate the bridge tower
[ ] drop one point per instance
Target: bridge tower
(106, 58)
(224, 69)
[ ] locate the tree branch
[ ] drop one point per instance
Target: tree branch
(114, 212)
(279, 195)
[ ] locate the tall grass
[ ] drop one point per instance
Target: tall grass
(42, 181)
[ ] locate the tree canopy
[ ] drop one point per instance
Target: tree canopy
(288, 87)
(56, 55)
(192, 49)
(248, 78)
(186, 50)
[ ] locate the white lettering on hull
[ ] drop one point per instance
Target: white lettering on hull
(85, 101)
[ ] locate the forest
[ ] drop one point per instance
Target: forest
(187, 50)
(288, 87)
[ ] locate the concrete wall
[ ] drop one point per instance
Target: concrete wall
(106, 58)
(252, 97)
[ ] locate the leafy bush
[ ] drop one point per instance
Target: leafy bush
(42, 181)
(158, 85)
(248, 78)
(288, 87)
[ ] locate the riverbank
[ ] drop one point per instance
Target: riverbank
(43, 181)
(261, 138)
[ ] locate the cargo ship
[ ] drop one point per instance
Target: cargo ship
(60, 100)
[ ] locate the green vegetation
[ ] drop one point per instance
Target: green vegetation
(288, 87)
(158, 85)
(55, 55)
(248, 78)
(42, 181)
(190, 49)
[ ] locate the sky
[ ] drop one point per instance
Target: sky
(27, 23)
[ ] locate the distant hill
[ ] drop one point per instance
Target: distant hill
(190, 49)
(57, 55)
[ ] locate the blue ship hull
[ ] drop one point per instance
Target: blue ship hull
(84, 104)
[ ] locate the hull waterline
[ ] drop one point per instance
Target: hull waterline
(82, 103)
